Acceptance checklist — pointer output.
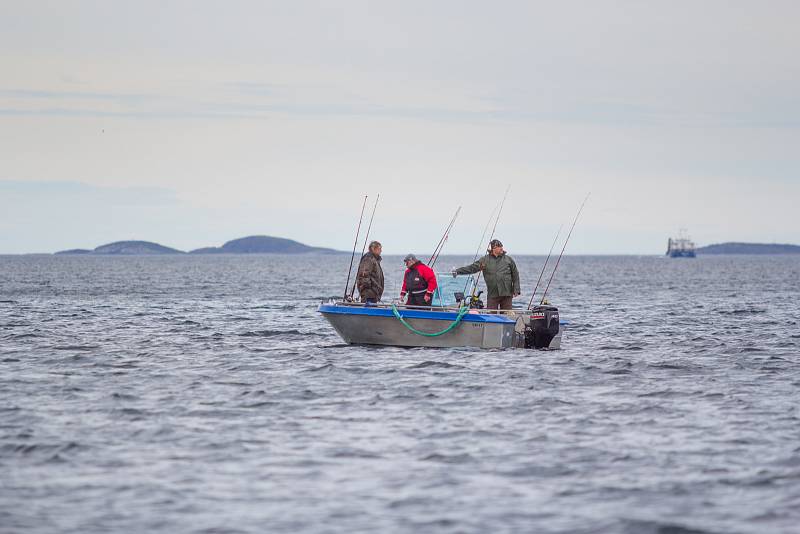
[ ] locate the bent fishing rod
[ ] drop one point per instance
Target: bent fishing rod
(366, 240)
(355, 244)
(443, 240)
(564, 247)
(544, 267)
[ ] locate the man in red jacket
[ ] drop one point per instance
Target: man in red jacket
(419, 282)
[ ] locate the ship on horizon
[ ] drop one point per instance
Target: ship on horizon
(681, 246)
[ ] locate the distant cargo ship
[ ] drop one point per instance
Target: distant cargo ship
(680, 247)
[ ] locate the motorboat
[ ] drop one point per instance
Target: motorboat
(455, 318)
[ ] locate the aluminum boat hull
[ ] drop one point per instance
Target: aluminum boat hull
(377, 325)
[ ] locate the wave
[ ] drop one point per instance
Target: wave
(620, 347)
(26, 335)
(353, 452)
(637, 526)
(431, 363)
(326, 367)
(743, 311)
(28, 449)
(618, 372)
(273, 333)
(448, 458)
(259, 404)
(663, 394)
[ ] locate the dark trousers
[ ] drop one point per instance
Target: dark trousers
(369, 300)
(498, 303)
(417, 299)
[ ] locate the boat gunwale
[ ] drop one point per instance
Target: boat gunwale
(420, 312)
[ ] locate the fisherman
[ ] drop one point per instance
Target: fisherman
(370, 275)
(419, 282)
(500, 273)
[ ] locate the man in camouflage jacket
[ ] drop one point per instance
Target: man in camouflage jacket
(370, 275)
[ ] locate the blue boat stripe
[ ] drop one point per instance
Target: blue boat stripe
(413, 314)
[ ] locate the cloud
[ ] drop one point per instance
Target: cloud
(69, 95)
(304, 92)
(324, 92)
(267, 115)
(77, 194)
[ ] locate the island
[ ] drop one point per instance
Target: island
(263, 244)
(74, 251)
(256, 244)
(125, 248)
(749, 248)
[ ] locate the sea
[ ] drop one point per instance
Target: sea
(205, 394)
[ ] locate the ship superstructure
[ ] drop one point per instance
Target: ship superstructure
(681, 246)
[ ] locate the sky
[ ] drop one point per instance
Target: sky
(191, 123)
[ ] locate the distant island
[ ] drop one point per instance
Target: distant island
(257, 244)
(124, 248)
(749, 248)
(262, 244)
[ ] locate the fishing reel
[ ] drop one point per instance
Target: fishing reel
(475, 301)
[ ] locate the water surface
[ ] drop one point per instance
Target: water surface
(205, 394)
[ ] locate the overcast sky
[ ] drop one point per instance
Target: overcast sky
(192, 123)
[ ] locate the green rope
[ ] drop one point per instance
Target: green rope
(461, 313)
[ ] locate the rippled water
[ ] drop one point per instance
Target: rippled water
(205, 394)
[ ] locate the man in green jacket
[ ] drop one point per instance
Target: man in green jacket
(500, 273)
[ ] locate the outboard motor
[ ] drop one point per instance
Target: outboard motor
(541, 326)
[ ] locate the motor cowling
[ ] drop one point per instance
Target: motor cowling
(541, 327)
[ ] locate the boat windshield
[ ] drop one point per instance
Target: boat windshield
(448, 286)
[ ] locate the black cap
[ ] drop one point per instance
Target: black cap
(495, 243)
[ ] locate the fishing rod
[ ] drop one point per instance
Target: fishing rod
(544, 266)
(480, 243)
(355, 244)
(502, 203)
(440, 246)
(366, 240)
(483, 235)
(444, 236)
(564, 247)
(496, 220)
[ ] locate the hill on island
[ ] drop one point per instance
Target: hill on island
(749, 248)
(257, 244)
(125, 248)
(263, 244)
